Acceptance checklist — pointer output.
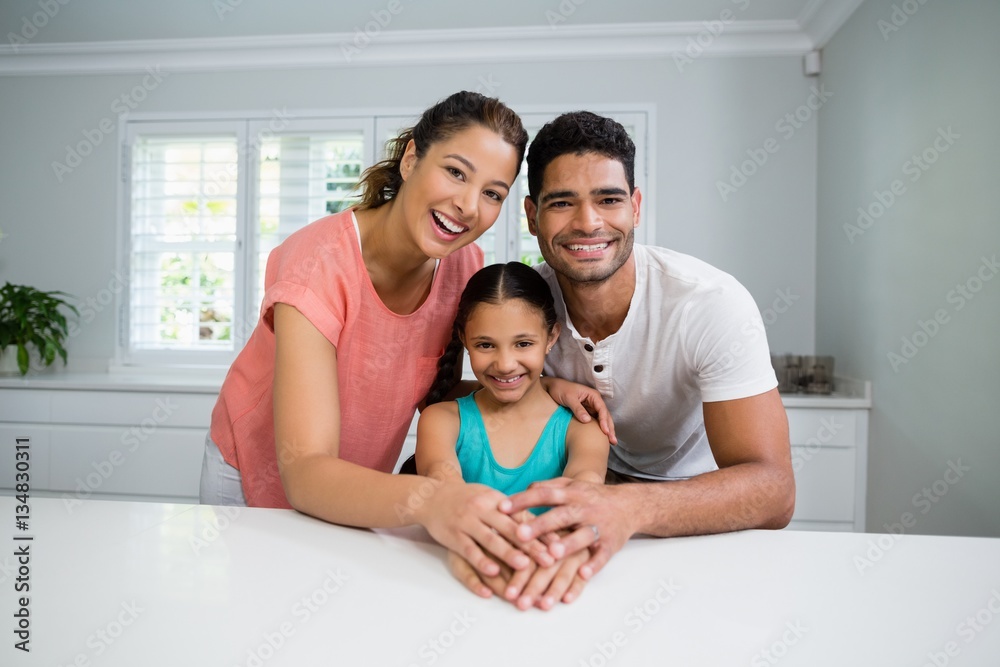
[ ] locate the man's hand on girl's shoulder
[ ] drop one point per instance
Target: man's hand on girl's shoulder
(584, 402)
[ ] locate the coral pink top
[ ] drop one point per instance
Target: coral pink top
(385, 362)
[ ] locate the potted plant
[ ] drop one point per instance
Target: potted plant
(30, 318)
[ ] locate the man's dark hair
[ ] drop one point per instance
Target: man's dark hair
(579, 132)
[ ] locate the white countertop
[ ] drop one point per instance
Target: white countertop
(849, 393)
(115, 583)
(195, 381)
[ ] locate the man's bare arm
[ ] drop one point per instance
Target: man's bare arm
(754, 488)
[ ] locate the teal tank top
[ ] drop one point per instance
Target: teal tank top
(546, 461)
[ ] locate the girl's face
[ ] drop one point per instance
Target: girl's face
(507, 344)
(454, 192)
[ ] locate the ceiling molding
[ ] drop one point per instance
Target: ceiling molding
(821, 20)
(426, 47)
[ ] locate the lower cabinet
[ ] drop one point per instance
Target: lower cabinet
(106, 444)
(148, 445)
(829, 459)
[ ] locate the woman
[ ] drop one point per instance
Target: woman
(357, 309)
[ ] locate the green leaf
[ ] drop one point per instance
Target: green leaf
(22, 358)
(31, 318)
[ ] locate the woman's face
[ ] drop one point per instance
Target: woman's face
(454, 192)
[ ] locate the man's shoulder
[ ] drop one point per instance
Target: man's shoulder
(673, 269)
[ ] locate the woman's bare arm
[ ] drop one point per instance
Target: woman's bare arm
(319, 483)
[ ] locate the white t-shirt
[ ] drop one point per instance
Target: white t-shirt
(693, 334)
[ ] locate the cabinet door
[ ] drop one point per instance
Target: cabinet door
(822, 427)
(824, 483)
(17, 405)
(89, 460)
(146, 409)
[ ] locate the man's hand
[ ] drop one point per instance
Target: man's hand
(582, 507)
(583, 401)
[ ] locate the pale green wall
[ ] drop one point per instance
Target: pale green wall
(893, 94)
(62, 235)
(856, 300)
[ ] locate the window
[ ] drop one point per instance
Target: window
(205, 201)
(206, 204)
(302, 178)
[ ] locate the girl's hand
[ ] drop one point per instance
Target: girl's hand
(583, 401)
(465, 519)
(538, 586)
(542, 587)
(556, 583)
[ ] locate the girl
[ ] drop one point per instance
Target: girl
(510, 433)
(313, 413)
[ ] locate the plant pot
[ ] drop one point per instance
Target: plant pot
(8, 362)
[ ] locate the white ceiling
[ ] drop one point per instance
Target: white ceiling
(185, 35)
(113, 20)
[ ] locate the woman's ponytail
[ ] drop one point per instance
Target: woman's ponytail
(381, 182)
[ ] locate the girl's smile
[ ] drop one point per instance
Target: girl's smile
(507, 344)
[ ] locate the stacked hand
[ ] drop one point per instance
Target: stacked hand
(467, 520)
(585, 527)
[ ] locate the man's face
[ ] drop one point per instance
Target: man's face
(584, 219)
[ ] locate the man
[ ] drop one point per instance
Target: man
(676, 348)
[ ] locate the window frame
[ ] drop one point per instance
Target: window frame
(124, 354)
(251, 305)
(376, 125)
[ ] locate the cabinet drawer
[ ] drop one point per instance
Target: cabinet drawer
(822, 427)
(18, 405)
(164, 462)
(148, 410)
(824, 483)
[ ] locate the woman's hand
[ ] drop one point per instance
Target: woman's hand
(465, 518)
(583, 401)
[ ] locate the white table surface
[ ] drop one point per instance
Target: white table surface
(117, 583)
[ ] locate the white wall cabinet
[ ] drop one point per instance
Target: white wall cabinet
(95, 436)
